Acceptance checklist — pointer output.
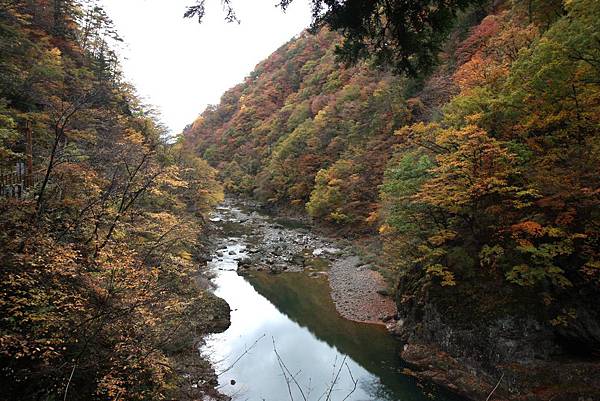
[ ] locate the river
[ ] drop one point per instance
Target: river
(287, 341)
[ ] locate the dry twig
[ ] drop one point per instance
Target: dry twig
(284, 369)
(494, 389)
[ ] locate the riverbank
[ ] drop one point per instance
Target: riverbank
(276, 275)
(279, 243)
(197, 377)
(439, 348)
(289, 245)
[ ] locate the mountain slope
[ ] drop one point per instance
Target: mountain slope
(99, 219)
(298, 113)
(480, 181)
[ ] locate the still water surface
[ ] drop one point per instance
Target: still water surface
(293, 314)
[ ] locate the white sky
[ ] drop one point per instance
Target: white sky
(180, 66)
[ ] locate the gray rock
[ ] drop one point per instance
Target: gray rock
(245, 261)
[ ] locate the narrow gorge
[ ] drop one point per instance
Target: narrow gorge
(400, 202)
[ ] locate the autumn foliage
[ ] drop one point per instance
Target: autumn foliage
(97, 297)
(483, 174)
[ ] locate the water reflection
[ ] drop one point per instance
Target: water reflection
(329, 357)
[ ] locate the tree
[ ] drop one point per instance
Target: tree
(96, 291)
(406, 35)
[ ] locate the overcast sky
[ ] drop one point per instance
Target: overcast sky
(180, 66)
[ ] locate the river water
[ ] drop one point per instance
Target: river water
(287, 341)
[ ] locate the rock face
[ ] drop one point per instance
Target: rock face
(439, 367)
(583, 333)
(532, 381)
(484, 344)
(471, 352)
(221, 315)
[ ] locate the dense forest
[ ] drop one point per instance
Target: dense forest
(98, 241)
(478, 176)
(456, 143)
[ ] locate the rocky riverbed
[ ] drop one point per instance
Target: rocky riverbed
(458, 359)
(309, 293)
(287, 245)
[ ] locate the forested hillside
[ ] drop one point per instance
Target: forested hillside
(464, 149)
(298, 115)
(480, 178)
(100, 218)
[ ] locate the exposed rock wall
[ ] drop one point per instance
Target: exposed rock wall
(518, 353)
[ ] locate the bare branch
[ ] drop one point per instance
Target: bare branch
(494, 389)
(354, 381)
(337, 376)
(285, 369)
(69, 382)
(242, 355)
